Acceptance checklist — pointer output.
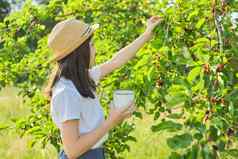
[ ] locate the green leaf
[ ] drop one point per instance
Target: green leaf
(232, 152)
(167, 125)
(31, 143)
(186, 53)
(175, 155)
(33, 130)
(202, 40)
(179, 141)
(138, 114)
(193, 74)
(200, 23)
(198, 136)
(142, 62)
(178, 29)
(193, 152)
(199, 86)
(206, 152)
(151, 74)
(131, 138)
(193, 14)
(175, 115)
(176, 99)
(3, 126)
(157, 115)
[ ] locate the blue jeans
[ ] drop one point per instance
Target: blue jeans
(97, 153)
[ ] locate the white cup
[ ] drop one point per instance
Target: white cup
(122, 98)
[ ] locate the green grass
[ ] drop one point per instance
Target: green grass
(148, 146)
(12, 146)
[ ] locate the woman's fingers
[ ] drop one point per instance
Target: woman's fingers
(111, 104)
(134, 108)
(128, 107)
(130, 110)
(128, 115)
(155, 19)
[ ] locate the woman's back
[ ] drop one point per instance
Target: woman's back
(67, 103)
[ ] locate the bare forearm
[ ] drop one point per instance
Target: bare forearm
(86, 141)
(128, 52)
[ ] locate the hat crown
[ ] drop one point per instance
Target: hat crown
(66, 36)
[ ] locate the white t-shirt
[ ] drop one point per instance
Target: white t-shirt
(67, 103)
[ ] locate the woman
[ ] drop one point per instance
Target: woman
(75, 107)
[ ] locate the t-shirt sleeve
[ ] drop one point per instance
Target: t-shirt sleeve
(95, 73)
(67, 105)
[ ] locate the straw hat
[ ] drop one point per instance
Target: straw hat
(67, 35)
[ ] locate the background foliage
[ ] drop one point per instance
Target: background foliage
(188, 72)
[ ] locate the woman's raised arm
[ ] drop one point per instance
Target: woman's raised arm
(129, 51)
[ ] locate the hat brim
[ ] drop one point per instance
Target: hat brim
(94, 27)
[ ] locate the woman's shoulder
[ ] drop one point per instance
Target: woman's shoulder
(63, 95)
(64, 86)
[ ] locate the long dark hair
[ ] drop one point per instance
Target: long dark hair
(74, 67)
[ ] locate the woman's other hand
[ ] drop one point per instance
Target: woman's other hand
(117, 115)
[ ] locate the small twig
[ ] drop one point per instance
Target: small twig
(166, 35)
(218, 26)
(219, 34)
